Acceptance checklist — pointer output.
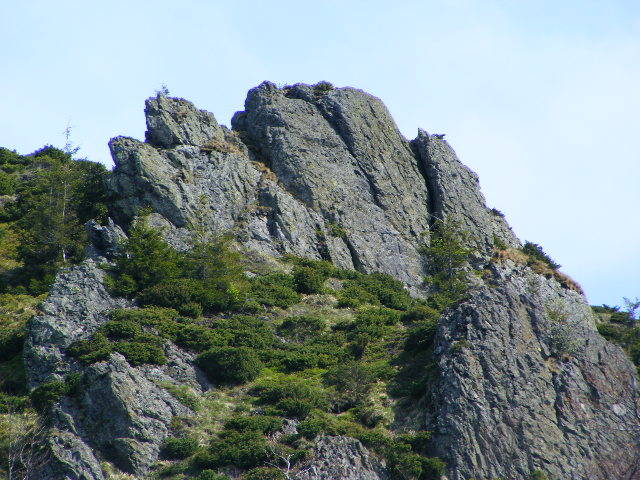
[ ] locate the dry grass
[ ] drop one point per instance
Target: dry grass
(220, 146)
(538, 267)
(267, 173)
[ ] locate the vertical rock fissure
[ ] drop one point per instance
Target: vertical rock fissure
(435, 213)
(355, 259)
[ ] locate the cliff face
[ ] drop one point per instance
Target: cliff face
(325, 174)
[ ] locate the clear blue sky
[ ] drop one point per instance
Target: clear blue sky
(540, 98)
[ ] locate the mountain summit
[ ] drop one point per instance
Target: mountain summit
(380, 320)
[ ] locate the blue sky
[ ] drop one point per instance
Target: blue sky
(540, 98)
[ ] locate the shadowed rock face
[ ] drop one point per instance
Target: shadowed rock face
(325, 174)
(507, 402)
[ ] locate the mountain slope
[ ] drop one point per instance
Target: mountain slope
(511, 380)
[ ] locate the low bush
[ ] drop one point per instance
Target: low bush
(375, 289)
(179, 448)
(353, 296)
(246, 450)
(247, 331)
(273, 290)
(95, 349)
(183, 394)
(199, 338)
(420, 313)
(121, 329)
(301, 328)
(13, 403)
(11, 342)
(420, 337)
(47, 394)
(352, 382)
(291, 396)
(257, 423)
(152, 316)
(140, 353)
(230, 364)
(183, 294)
(308, 280)
(535, 252)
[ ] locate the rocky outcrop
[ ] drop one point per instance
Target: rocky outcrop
(121, 413)
(526, 383)
(77, 305)
(341, 458)
(455, 194)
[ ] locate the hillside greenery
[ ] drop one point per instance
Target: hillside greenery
(341, 367)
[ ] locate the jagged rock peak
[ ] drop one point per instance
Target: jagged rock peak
(312, 170)
(175, 121)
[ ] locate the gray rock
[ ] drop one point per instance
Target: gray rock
(455, 194)
(175, 121)
(341, 458)
(104, 240)
(507, 403)
(125, 414)
(77, 305)
(320, 153)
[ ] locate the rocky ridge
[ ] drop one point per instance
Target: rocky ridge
(324, 173)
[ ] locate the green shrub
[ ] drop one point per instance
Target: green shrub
(258, 423)
(537, 475)
(13, 403)
(230, 364)
(352, 296)
(247, 450)
(337, 231)
(140, 353)
(420, 313)
(247, 331)
(95, 349)
(273, 290)
(200, 338)
(191, 309)
(301, 328)
(151, 316)
(368, 332)
(308, 280)
(535, 252)
(352, 382)
(7, 184)
(146, 260)
(183, 394)
(121, 329)
(323, 87)
(311, 427)
(47, 394)
(290, 360)
(420, 337)
(620, 317)
(389, 291)
(447, 256)
(264, 473)
(11, 342)
(291, 396)
(179, 448)
(179, 294)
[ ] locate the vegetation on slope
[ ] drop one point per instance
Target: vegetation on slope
(333, 351)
